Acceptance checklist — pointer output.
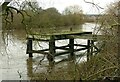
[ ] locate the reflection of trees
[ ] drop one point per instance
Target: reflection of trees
(30, 67)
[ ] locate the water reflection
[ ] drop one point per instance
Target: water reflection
(62, 71)
(29, 68)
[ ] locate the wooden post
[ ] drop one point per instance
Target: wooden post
(51, 50)
(91, 48)
(29, 67)
(29, 47)
(71, 48)
(88, 50)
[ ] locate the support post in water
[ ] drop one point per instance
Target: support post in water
(29, 47)
(29, 67)
(88, 50)
(91, 48)
(71, 48)
(50, 57)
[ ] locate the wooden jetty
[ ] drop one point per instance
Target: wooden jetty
(69, 49)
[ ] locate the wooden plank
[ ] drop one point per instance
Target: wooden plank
(67, 52)
(80, 45)
(45, 50)
(57, 36)
(63, 33)
(70, 36)
(60, 37)
(92, 37)
(63, 47)
(75, 50)
(45, 40)
(39, 51)
(38, 38)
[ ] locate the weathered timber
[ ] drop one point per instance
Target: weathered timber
(62, 34)
(68, 49)
(39, 51)
(71, 47)
(66, 52)
(29, 47)
(80, 45)
(51, 50)
(91, 48)
(92, 37)
(57, 36)
(29, 67)
(45, 50)
(88, 50)
(34, 37)
(75, 50)
(63, 47)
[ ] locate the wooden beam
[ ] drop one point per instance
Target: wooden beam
(30, 67)
(45, 50)
(91, 48)
(71, 48)
(57, 36)
(88, 50)
(75, 50)
(67, 52)
(52, 51)
(29, 47)
(80, 45)
(92, 37)
(38, 39)
(39, 51)
(63, 47)
(45, 40)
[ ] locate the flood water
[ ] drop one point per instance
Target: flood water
(15, 64)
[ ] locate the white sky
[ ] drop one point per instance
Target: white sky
(86, 7)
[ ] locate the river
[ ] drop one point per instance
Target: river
(14, 60)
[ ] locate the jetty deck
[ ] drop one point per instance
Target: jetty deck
(69, 48)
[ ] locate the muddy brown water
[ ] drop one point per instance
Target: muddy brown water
(15, 64)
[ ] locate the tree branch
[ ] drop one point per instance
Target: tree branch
(4, 5)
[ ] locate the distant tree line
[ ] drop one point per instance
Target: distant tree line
(36, 17)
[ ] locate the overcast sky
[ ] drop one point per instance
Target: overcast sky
(86, 7)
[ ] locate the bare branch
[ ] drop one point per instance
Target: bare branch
(97, 6)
